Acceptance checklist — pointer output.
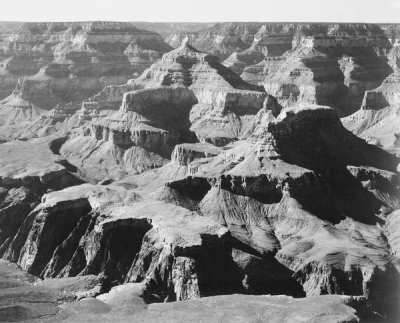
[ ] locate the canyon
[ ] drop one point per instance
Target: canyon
(48, 66)
(249, 167)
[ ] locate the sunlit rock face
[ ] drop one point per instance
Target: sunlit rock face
(377, 121)
(329, 64)
(188, 96)
(280, 196)
(239, 45)
(200, 184)
(225, 101)
(28, 170)
(264, 215)
(58, 63)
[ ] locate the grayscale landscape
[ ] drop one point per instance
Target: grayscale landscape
(199, 171)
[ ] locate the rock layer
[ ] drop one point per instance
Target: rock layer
(186, 97)
(28, 170)
(377, 121)
(206, 185)
(282, 199)
(58, 63)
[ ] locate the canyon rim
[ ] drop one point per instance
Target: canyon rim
(239, 170)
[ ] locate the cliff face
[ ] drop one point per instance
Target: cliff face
(202, 184)
(239, 44)
(56, 63)
(281, 198)
(28, 170)
(124, 303)
(378, 118)
(187, 96)
(173, 262)
(329, 64)
(266, 214)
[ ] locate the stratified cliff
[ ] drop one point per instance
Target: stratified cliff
(188, 182)
(268, 214)
(27, 171)
(187, 96)
(378, 119)
(319, 212)
(57, 63)
(329, 64)
(125, 303)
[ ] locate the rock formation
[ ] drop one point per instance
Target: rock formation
(189, 184)
(28, 170)
(378, 119)
(187, 96)
(124, 303)
(265, 214)
(328, 64)
(282, 198)
(54, 64)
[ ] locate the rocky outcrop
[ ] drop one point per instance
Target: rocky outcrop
(77, 299)
(58, 63)
(286, 201)
(141, 135)
(223, 98)
(109, 230)
(270, 41)
(186, 97)
(206, 185)
(328, 64)
(184, 154)
(28, 170)
(378, 127)
(224, 39)
(378, 118)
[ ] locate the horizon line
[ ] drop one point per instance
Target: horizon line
(202, 22)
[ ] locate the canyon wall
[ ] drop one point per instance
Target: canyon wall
(329, 64)
(378, 118)
(187, 181)
(44, 65)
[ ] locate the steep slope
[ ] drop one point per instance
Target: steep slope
(208, 187)
(319, 212)
(240, 45)
(58, 63)
(264, 215)
(113, 231)
(186, 97)
(221, 39)
(328, 64)
(271, 40)
(378, 119)
(28, 170)
(76, 299)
